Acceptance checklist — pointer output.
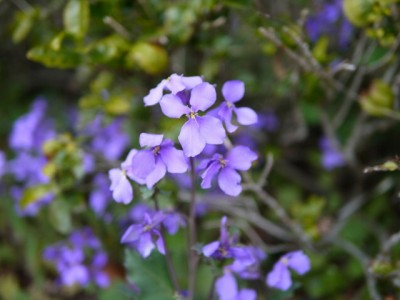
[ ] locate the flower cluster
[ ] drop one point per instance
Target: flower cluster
(192, 97)
(73, 264)
(29, 133)
(246, 264)
(330, 21)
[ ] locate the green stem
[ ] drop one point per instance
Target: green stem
(193, 259)
(168, 258)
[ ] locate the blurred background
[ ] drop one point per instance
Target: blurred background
(323, 76)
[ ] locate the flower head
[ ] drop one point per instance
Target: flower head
(224, 247)
(280, 278)
(174, 84)
(233, 92)
(198, 130)
(238, 158)
(146, 236)
(148, 166)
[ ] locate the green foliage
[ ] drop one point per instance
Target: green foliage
(35, 193)
(77, 17)
(149, 275)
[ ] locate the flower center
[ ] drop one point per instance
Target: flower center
(229, 104)
(222, 162)
(156, 150)
(192, 115)
(284, 261)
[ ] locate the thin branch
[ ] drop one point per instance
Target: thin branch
(364, 261)
(114, 24)
(272, 203)
(193, 258)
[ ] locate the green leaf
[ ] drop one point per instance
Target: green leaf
(54, 59)
(35, 193)
(77, 17)
(149, 275)
(23, 24)
(151, 58)
(60, 216)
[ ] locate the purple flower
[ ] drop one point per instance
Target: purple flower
(85, 238)
(224, 247)
(28, 168)
(30, 131)
(100, 195)
(233, 91)
(238, 158)
(330, 22)
(3, 164)
(175, 84)
(139, 210)
(227, 288)
(280, 277)
(149, 166)
(99, 262)
(146, 236)
(72, 262)
(173, 221)
(121, 188)
(110, 141)
(247, 262)
(331, 158)
(198, 130)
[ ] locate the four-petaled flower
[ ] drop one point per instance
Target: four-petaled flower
(149, 166)
(280, 277)
(233, 91)
(238, 158)
(146, 236)
(198, 130)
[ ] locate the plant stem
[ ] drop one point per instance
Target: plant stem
(193, 259)
(168, 258)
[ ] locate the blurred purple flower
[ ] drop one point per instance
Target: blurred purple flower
(99, 262)
(172, 221)
(331, 158)
(247, 262)
(109, 141)
(227, 288)
(28, 168)
(85, 238)
(30, 131)
(149, 166)
(146, 236)
(238, 158)
(3, 164)
(330, 22)
(233, 91)
(139, 210)
(280, 277)
(72, 263)
(100, 195)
